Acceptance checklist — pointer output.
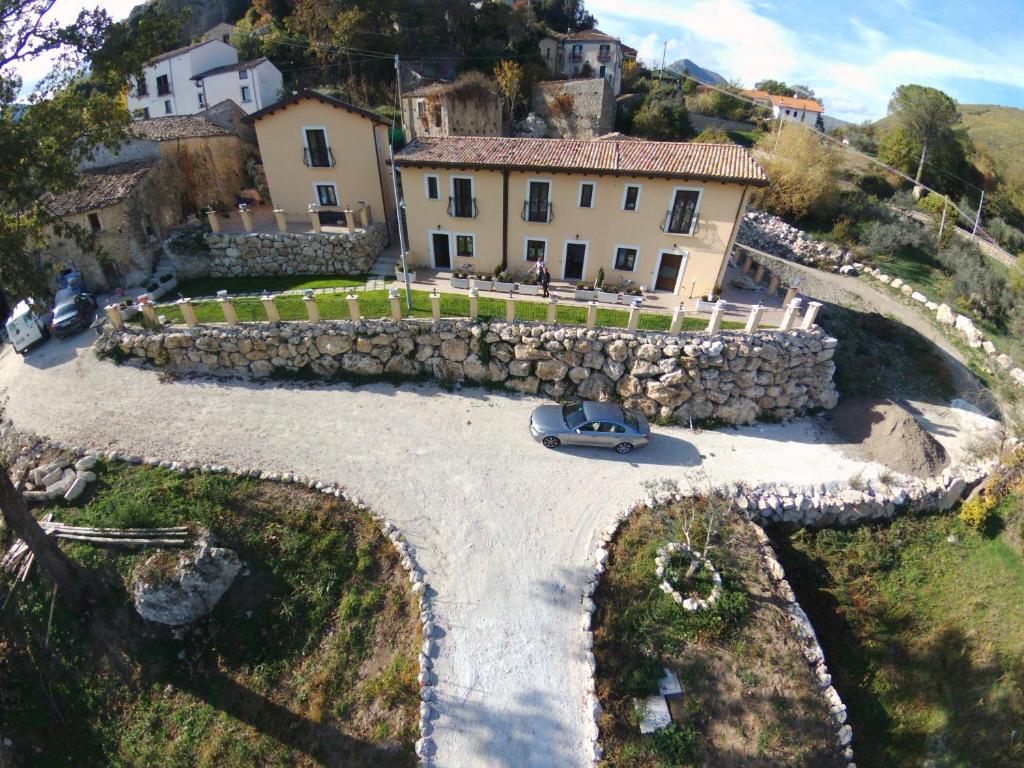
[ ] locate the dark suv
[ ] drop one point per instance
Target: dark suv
(73, 315)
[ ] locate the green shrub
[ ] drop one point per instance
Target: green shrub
(677, 744)
(932, 204)
(876, 184)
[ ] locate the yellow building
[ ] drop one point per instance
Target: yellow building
(323, 154)
(662, 215)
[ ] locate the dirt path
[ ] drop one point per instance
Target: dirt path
(504, 528)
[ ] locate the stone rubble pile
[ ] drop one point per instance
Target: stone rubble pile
(661, 561)
(730, 377)
(201, 577)
(962, 325)
(239, 254)
(772, 235)
(59, 479)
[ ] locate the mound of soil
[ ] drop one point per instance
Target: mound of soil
(886, 432)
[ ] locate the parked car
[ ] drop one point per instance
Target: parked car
(604, 425)
(26, 327)
(73, 315)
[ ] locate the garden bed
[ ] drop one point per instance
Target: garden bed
(749, 697)
(308, 659)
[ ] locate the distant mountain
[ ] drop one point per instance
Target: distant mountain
(697, 71)
(833, 123)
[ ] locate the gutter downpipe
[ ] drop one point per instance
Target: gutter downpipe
(504, 219)
(735, 231)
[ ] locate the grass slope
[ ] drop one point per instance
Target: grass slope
(208, 286)
(999, 132)
(309, 659)
(922, 621)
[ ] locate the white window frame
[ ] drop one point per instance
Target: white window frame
(586, 257)
(682, 268)
(639, 194)
(305, 143)
(168, 108)
(526, 248)
(453, 245)
(202, 100)
(451, 191)
(696, 213)
(593, 195)
(426, 185)
(615, 256)
(316, 193)
(451, 250)
(551, 193)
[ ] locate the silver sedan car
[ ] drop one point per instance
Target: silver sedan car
(604, 425)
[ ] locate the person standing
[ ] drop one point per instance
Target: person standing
(545, 280)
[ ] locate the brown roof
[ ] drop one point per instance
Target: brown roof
(628, 52)
(323, 99)
(808, 105)
(177, 127)
(666, 159)
(99, 188)
(587, 35)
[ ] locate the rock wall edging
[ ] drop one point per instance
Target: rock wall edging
(239, 254)
(730, 377)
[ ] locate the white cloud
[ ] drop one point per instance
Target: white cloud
(854, 72)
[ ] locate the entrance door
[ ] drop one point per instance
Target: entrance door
(668, 272)
(442, 250)
(575, 261)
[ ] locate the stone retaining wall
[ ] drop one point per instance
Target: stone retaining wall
(773, 235)
(730, 377)
(238, 254)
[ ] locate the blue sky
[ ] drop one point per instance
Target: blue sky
(853, 54)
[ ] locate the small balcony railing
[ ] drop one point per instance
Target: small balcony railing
(576, 56)
(604, 55)
(318, 159)
(462, 208)
(539, 211)
(678, 223)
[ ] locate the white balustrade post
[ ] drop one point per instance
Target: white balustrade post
(591, 315)
(754, 319)
(634, 317)
(790, 295)
(149, 313)
(114, 316)
(791, 314)
(188, 312)
(474, 304)
(435, 306)
(312, 310)
(228, 307)
(214, 219)
(353, 307)
(396, 305)
(243, 211)
(273, 316)
(552, 309)
(677, 320)
(715, 323)
(510, 309)
(314, 217)
(811, 315)
(282, 222)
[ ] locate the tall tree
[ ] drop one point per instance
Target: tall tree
(927, 114)
(509, 76)
(78, 107)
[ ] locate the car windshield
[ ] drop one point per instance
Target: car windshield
(573, 415)
(64, 310)
(630, 418)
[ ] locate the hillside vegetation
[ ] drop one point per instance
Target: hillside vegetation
(999, 132)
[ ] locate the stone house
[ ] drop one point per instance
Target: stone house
(663, 215)
(323, 155)
(574, 109)
(187, 80)
(131, 197)
(587, 53)
(468, 107)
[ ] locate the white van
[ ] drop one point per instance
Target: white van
(25, 328)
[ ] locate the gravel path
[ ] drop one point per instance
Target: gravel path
(504, 528)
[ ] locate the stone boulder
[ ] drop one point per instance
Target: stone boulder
(945, 315)
(190, 590)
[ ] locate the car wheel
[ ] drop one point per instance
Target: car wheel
(623, 448)
(551, 442)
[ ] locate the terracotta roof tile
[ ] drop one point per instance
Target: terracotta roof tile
(176, 127)
(99, 188)
(667, 159)
(230, 68)
(808, 105)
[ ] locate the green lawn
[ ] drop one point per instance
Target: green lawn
(375, 304)
(917, 267)
(922, 621)
(208, 286)
(308, 659)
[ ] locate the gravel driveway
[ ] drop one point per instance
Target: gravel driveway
(504, 528)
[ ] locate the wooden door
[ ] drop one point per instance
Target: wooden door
(668, 272)
(442, 250)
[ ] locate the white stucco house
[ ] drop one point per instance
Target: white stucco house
(587, 53)
(187, 80)
(798, 110)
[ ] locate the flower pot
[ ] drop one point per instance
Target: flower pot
(483, 284)
(608, 297)
(529, 290)
(585, 295)
(501, 287)
(400, 276)
(460, 282)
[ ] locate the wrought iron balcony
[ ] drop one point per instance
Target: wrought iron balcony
(677, 222)
(318, 159)
(462, 207)
(538, 211)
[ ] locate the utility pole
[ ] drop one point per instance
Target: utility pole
(394, 184)
(977, 217)
(661, 71)
(777, 132)
(942, 224)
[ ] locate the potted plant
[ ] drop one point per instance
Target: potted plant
(585, 292)
(527, 285)
(599, 283)
(400, 275)
(483, 281)
(503, 283)
(460, 278)
(607, 294)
